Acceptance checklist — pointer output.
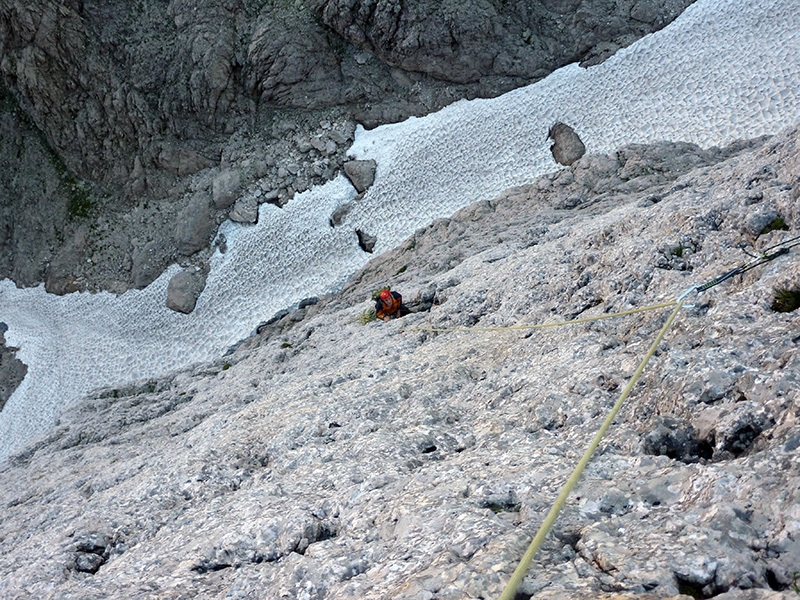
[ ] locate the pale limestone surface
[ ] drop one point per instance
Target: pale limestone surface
(326, 459)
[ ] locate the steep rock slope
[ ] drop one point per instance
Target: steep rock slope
(142, 105)
(328, 459)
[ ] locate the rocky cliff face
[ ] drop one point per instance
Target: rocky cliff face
(325, 458)
(128, 112)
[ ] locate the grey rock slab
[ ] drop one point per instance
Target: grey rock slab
(195, 225)
(148, 262)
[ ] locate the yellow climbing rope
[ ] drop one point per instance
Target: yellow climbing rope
(633, 311)
(519, 573)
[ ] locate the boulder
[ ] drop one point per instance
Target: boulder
(12, 370)
(225, 189)
(148, 262)
(185, 288)
(361, 173)
(195, 225)
(567, 146)
(340, 213)
(366, 241)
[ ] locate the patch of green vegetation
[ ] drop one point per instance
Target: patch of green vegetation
(777, 224)
(401, 271)
(226, 366)
(367, 316)
(678, 250)
(81, 204)
(785, 300)
(286, 345)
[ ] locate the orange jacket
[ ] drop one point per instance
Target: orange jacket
(389, 308)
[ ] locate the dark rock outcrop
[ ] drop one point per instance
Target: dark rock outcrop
(467, 42)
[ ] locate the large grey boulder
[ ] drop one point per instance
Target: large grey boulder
(185, 288)
(195, 225)
(225, 189)
(567, 147)
(148, 262)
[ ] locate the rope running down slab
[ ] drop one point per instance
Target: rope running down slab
(547, 524)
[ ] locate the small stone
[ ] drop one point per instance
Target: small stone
(88, 562)
(337, 137)
(366, 241)
(318, 144)
(340, 213)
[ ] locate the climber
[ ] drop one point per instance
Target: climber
(389, 305)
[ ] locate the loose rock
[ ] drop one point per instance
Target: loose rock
(361, 173)
(245, 211)
(185, 288)
(225, 189)
(567, 146)
(195, 225)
